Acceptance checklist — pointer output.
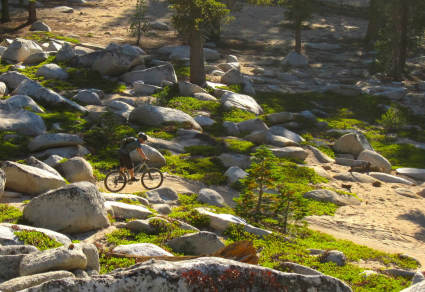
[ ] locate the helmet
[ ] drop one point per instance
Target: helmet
(142, 135)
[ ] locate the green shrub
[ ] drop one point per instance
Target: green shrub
(239, 146)
(110, 263)
(208, 169)
(37, 239)
(190, 216)
(190, 104)
(13, 148)
(392, 120)
(203, 150)
(237, 115)
(9, 214)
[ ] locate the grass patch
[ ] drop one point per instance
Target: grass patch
(190, 104)
(204, 150)
(13, 146)
(108, 264)
(79, 78)
(237, 115)
(70, 122)
(239, 146)
(10, 214)
(237, 88)
(45, 36)
(207, 169)
(37, 239)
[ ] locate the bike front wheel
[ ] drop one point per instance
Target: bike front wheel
(152, 178)
(115, 181)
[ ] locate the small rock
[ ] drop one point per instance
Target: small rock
(141, 249)
(40, 26)
(210, 197)
(201, 243)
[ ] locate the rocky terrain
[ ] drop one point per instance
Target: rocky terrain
(66, 102)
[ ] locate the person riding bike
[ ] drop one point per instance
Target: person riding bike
(127, 146)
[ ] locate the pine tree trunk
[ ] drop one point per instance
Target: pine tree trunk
(404, 34)
(139, 33)
(5, 11)
(298, 37)
(372, 28)
(197, 67)
(32, 12)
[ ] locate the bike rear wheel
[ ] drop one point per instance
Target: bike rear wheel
(152, 178)
(115, 181)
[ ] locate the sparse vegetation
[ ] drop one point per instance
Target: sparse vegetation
(37, 239)
(9, 214)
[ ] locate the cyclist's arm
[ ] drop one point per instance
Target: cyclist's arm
(142, 153)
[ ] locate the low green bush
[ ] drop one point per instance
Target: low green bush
(37, 239)
(9, 214)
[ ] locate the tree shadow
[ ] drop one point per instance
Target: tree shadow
(417, 217)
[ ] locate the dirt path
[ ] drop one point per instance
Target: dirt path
(390, 218)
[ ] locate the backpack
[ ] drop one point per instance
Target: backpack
(128, 144)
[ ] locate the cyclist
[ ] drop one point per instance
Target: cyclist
(127, 145)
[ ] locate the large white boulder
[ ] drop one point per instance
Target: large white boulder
(13, 79)
(178, 276)
(388, 178)
(28, 179)
(32, 161)
(116, 59)
(324, 195)
(201, 243)
(232, 100)
(141, 249)
(45, 95)
(155, 75)
(292, 152)
(220, 222)
(21, 49)
(416, 173)
(233, 76)
(189, 89)
(53, 140)
(376, 160)
(20, 283)
(295, 60)
(65, 152)
(3, 89)
(76, 169)
(210, 197)
(281, 131)
(75, 208)
(23, 122)
(128, 211)
(87, 96)
(352, 143)
(17, 102)
(52, 71)
(234, 174)
(157, 116)
(156, 159)
(61, 258)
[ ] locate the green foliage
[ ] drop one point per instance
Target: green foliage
(9, 214)
(182, 71)
(392, 120)
(197, 15)
(139, 23)
(14, 146)
(190, 104)
(203, 150)
(237, 88)
(37, 239)
(45, 36)
(79, 78)
(110, 263)
(192, 217)
(239, 146)
(237, 115)
(208, 169)
(70, 122)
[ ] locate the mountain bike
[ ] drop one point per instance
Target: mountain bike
(151, 178)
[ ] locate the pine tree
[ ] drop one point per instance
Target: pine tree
(192, 19)
(139, 23)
